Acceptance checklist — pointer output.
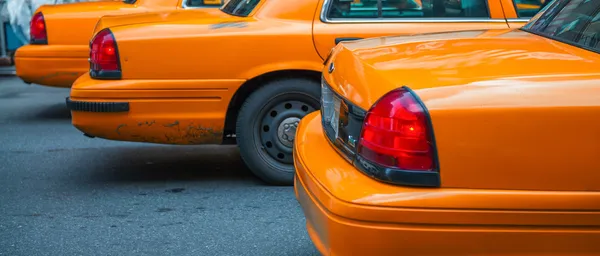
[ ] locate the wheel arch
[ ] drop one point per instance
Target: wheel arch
(248, 87)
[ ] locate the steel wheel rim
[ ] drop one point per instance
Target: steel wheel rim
(278, 121)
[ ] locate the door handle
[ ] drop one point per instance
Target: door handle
(339, 39)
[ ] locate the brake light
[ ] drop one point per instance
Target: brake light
(104, 56)
(397, 133)
(37, 30)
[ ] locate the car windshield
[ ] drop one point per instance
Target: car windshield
(240, 8)
(575, 22)
(129, 1)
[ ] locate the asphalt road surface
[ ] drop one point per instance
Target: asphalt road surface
(62, 193)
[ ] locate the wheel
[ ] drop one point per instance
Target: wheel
(266, 127)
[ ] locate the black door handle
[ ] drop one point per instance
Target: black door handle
(339, 39)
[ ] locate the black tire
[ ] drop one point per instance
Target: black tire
(266, 152)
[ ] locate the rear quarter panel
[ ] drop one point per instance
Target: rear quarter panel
(235, 48)
(535, 133)
(276, 36)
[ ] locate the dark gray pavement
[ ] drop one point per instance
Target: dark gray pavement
(62, 193)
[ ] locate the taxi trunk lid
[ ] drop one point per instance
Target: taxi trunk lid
(154, 17)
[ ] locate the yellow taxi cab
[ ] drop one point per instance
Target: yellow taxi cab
(475, 142)
(246, 75)
(60, 34)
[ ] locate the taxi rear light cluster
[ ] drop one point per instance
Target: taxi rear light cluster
(392, 142)
(37, 30)
(396, 143)
(104, 56)
(396, 133)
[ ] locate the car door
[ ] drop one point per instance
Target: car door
(339, 20)
(519, 12)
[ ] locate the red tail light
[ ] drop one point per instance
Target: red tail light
(397, 133)
(104, 56)
(37, 30)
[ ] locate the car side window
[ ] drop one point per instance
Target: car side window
(202, 3)
(398, 9)
(351, 9)
(529, 8)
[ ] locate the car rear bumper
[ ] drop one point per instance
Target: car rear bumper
(50, 65)
(149, 111)
(347, 213)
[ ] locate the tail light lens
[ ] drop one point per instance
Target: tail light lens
(397, 134)
(104, 56)
(393, 142)
(37, 30)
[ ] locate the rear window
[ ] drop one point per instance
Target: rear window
(575, 22)
(241, 8)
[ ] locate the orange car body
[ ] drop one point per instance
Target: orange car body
(174, 89)
(516, 145)
(205, 76)
(69, 28)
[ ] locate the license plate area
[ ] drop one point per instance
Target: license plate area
(341, 120)
(334, 122)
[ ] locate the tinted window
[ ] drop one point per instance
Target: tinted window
(129, 1)
(202, 3)
(360, 9)
(240, 7)
(528, 8)
(575, 22)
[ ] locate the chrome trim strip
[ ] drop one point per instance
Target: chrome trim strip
(184, 4)
(518, 20)
(327, 3)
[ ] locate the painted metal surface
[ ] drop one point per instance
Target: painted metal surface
(165, 53)
(64, 59)
(513, 117)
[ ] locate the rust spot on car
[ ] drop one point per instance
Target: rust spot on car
(196, 134)
(173, 124)
(147, 123)
(119, 128)
(170, 133)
